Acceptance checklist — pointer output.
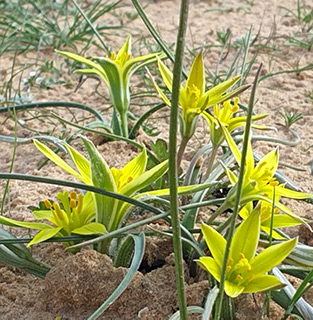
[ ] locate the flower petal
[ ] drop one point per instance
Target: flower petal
(166, 74)
(44, 234)
(233, 290)
(215, 242)
(210, 265)
(272, 256)
(246, 237)
(90, 228)
(262, 283)
(196, 76)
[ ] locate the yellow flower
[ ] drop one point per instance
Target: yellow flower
(224, 113)
(193, 98)
(245, 271)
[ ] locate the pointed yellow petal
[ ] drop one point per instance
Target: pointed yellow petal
(215, 242)
(262, 283)
(81, 163)
(209, 264)
(233, 290)
(81, 59)
(196, 76)
(57, 160)
(231, 143)
(272, 256)
(125, 49)
(166, 74)
(44, 234)
(246, 237)
(221, 88)
(287, 193)
(90, 228)
(24, 224)
(132, 169)
(266, 166)
(144, 179)
(159, 91)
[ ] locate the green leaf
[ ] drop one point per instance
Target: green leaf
(91, 228)
(272, 256)
(43, 235)
(18, 256)
(102, 178)
(115, 83)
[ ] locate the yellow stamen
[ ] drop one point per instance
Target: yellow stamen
(228, 268)
(80, 203)
(230, 261)
(58, 210)
(239, 277)
(241, 256)
(273, 182)
(73, 195)
(47, 203)
(129, 179)
(112, 56)
(72, 203)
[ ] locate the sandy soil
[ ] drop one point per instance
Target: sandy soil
(77, 284)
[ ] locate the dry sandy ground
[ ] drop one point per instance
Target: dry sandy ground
(77, 284)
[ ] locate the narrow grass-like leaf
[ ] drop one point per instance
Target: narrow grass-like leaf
(190, 310)
(209, 303)
(18, 256)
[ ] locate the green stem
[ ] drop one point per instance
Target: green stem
(181, 150)
(231, 229)
(173, 176)
(211, 161)
(124, 124)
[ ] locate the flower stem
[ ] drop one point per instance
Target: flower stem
(211, 161)
(231, 230)
(181, 150)
(173, 175)
(124, 124)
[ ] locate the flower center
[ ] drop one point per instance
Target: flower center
(239, 272)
